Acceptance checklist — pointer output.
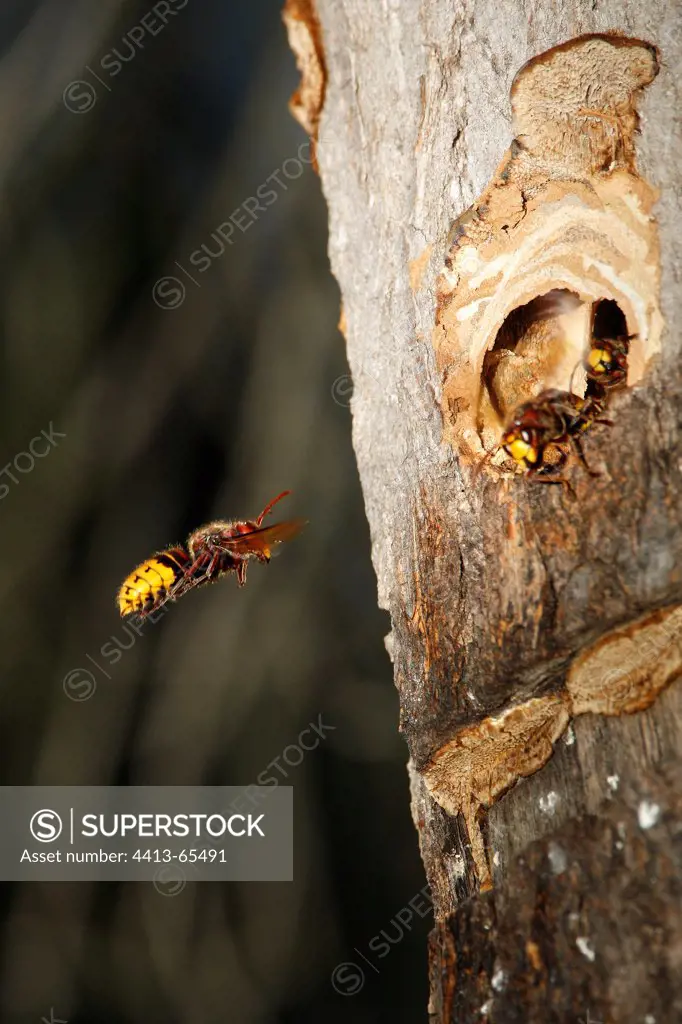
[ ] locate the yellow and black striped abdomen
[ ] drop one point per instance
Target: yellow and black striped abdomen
(147, 586)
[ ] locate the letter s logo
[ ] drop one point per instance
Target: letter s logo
(46, 826)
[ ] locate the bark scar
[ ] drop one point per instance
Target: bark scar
(305, 39)
(621, 673)
(567, 214)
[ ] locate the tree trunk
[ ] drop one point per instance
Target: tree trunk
(536, 631)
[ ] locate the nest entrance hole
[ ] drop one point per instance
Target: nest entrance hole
(608, 320)
(541, 344)
(537, 347)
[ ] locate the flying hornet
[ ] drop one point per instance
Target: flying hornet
(212, 551)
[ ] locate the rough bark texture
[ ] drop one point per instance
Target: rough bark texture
(511, 602)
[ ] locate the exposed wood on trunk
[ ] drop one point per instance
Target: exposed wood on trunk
(515, 608)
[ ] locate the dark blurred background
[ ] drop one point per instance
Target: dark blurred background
(124, 145)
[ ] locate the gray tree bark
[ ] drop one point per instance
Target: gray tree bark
(536, 639)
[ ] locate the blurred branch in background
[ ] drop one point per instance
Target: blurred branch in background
(174, 414)
(35, 70)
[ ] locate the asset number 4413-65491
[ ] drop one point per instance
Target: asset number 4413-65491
(181, 856)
